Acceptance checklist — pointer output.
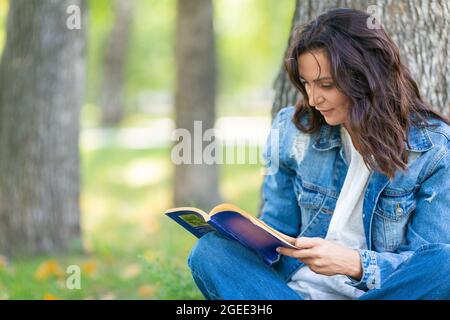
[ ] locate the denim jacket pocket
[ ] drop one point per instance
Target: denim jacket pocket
(392, 214)
(316, 210)
(310, 198)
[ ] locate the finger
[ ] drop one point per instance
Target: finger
(298, 254)
(307, 261)
(305, 254)
(306, 243)
(291, 240)
(286, 251)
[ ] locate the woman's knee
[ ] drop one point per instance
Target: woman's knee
(208, 251)
(443, 257)
(438, 249)
(439, 254)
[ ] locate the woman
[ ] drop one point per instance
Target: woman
(363, 185)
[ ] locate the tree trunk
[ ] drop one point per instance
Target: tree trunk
(41, 90)
(114, 64)
(420, 28)
(195, 184)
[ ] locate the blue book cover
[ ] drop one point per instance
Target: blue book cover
(236, 224)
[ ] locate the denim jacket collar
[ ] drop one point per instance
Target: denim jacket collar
(329, 137)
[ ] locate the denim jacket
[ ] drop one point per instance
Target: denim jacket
(399, 215)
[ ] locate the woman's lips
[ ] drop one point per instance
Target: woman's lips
(326, 112)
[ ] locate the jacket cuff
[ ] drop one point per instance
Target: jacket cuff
(371, 276)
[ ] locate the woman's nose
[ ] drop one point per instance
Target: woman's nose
(314, 97)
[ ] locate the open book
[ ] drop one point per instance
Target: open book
(236, 224)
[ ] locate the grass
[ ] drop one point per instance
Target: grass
(131, 251)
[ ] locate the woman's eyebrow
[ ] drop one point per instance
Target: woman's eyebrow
(320, 79)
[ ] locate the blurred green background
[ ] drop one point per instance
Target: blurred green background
(131, 250)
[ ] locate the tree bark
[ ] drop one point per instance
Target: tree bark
(421, 30)
(115, 56)
(41, 91)
(195, 184)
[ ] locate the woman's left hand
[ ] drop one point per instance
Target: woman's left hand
(325, 257)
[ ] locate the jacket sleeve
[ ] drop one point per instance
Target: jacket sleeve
(279, 209)
(429, 224)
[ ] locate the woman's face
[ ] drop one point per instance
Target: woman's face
(322, 92)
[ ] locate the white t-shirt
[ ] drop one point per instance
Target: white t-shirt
(346, 228)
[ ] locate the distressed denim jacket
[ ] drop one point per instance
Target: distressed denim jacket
(400, 215)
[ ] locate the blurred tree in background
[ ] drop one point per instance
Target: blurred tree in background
(420, 28)
(41, 93)
(115, 54)
(196, 182)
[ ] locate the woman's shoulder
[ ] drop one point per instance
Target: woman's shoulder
(438, 130)
(283, 115)
(293, 142)
(437, 135)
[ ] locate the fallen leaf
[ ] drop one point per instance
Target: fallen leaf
(108, 296)
(146, 291)
(49, 296)
(131, 271)
(3, 262)
(89, 268)
(49, 268)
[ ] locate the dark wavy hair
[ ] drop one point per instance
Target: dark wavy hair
(366, 67)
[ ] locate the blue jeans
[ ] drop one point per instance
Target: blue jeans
(224, 269)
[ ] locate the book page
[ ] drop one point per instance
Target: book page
(230, 207)
(199, 211)
(192, 219)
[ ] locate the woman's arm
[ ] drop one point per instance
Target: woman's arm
(280, 208)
